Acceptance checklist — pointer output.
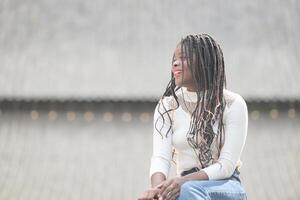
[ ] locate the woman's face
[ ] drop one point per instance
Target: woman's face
(181, 71)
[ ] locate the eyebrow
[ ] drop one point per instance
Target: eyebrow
(182, 55)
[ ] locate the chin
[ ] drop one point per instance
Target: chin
(179, 84)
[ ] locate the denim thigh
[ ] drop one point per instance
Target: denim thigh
(226, 189)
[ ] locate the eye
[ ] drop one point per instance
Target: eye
(183, 57)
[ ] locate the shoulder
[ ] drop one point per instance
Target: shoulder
(163, 110)
(166, 103)
(234, 101)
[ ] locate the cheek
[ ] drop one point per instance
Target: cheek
(187, 71)
(188, 76)
(185, 67)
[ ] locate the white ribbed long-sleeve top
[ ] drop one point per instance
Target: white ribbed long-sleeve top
(235, 119)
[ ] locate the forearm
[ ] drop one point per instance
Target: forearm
(157, 178)
(200, 175)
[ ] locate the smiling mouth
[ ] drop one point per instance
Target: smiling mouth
(177, 73)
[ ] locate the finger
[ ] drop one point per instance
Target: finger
(169, 195)
(174, 193)
(167, 191)
(160, 185)
(175, 196)
(152, 193)
(144, 196)
(165, 186)
(149, 194)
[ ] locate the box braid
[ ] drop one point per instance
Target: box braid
(206, 62)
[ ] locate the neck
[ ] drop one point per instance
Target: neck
(192, 89)
(190, 94)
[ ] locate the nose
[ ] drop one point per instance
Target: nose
(176, 63)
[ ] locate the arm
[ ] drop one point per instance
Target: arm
(162, 155)
(162, 148)
(157, 178)
(236, 125)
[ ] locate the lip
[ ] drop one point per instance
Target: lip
(177, 73)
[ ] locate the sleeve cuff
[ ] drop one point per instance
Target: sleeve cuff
(159, 164)
(212, 171)
(219, 170)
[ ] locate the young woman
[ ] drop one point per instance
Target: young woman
(202, 124)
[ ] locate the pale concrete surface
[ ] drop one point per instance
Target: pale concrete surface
(122, 49)
(47, 159)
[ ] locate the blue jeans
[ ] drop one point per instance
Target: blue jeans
(225, 189)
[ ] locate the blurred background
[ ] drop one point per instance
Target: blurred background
(79, 80)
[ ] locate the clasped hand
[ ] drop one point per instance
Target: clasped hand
(167, 190)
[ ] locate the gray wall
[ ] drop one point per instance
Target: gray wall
(84, 49)
(103, 154)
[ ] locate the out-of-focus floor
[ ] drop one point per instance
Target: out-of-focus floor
(102, 155)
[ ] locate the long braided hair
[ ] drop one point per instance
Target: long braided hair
(206, 63)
